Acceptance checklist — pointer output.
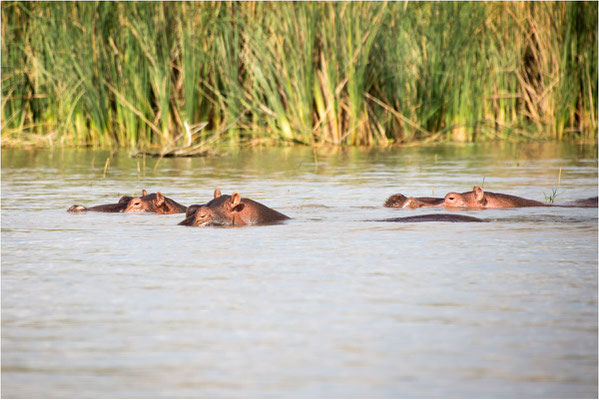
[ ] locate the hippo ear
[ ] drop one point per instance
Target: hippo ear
(479, 194)
(159, 199)
(234, 200)
(217, 193)
(143, 192)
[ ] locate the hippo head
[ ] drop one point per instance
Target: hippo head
(154, 202)
(206, 214)
(474, 199)
(220, 211)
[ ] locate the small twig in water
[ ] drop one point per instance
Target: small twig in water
(106, 167)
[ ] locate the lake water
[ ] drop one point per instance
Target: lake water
(325, 305)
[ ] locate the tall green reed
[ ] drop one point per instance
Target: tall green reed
(151, 75)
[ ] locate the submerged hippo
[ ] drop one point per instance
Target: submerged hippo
(154, 202)
(479, 199)
(233, 210)
(400, 201)
(116, 207)
(591, 202)
(433, 218)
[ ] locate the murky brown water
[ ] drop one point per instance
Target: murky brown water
(324, 305)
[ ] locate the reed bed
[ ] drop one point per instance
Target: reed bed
(181, 78)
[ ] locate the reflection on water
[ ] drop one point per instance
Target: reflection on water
(329, 304)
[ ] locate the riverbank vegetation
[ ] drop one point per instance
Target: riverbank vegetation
(183, 77)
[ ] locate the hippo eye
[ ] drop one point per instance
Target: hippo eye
(451, 198)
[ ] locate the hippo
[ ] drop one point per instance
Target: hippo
(233, 210)
(154, 202)
(433, 218)
(591, 202)
(400, 201)
(479, 199)
(115, 208)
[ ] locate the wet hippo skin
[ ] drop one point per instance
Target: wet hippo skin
(154, 202)
(479, 199)
(433, 218)
(233, 210)
(400, 201)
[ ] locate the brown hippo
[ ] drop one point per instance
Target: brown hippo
(115, 207)
(233, 210)
(154, 202)
(400, 201)
(479, 199)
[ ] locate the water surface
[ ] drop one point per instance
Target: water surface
(325, 305)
